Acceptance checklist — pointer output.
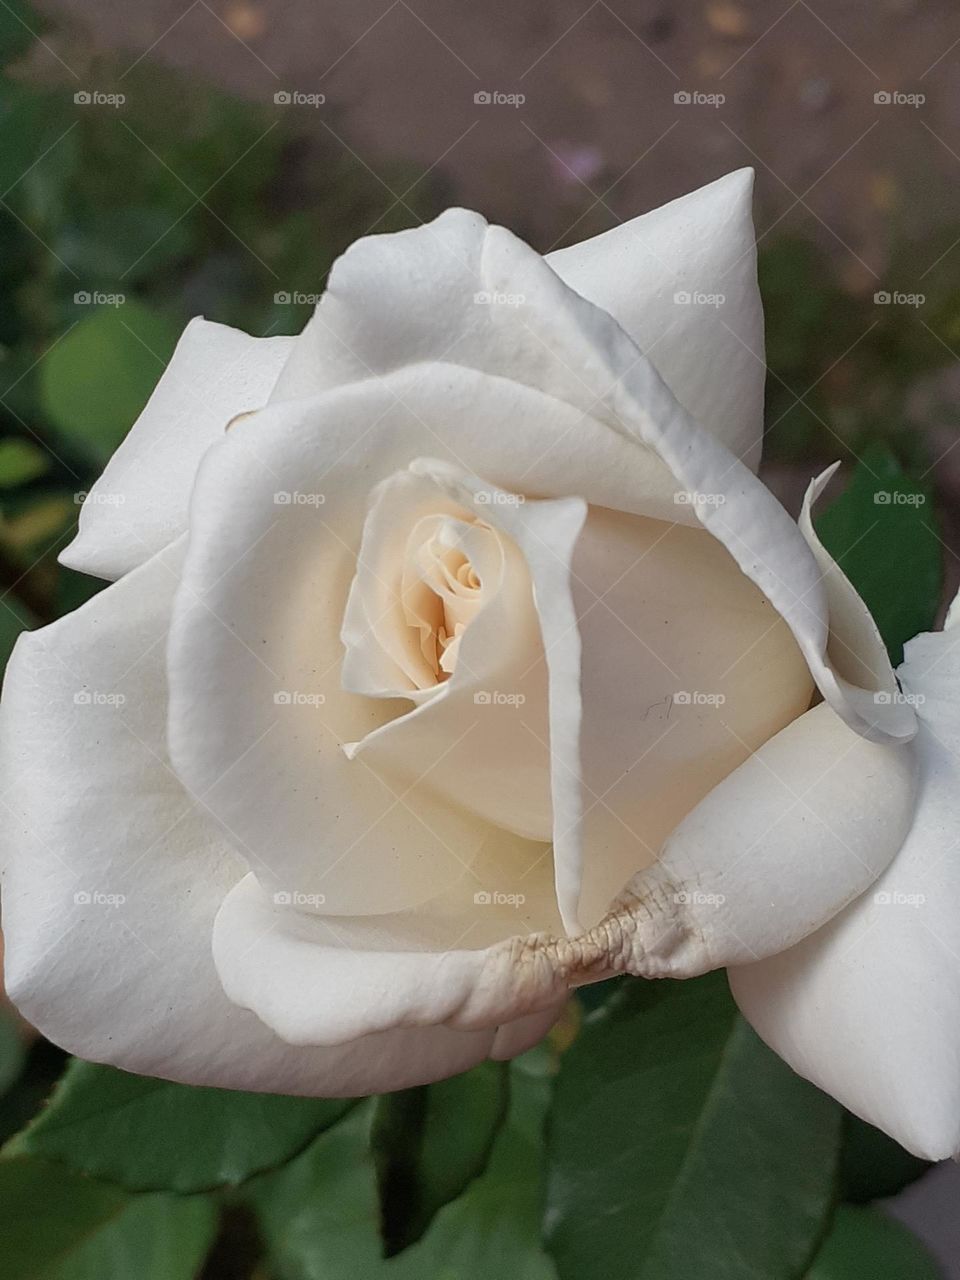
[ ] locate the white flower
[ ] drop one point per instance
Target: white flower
(456, 656)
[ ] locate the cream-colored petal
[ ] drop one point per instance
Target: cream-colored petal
(484, 736)
(783, 844)
(112, 877)
(855, 648)
(682, 281)
(869, 1006)
(687, 669)
(139, 504)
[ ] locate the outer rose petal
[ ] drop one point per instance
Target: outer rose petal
(326, 980)
(869, 1007)
(113, 878)
(710, 357)
(139, 504)
(786, 841)
(856, 650)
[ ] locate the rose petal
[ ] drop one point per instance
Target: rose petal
(139, 504)
(324, 980)
(654, 273)
(484, 737)
(95, 810)
(802, 828)
(687, 669)
(855, 649)
(869, 1006)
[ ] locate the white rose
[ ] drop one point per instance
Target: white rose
(472, 667)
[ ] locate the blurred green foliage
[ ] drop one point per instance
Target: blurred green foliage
(846, 369)
(117, 225)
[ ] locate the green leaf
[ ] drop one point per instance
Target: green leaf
(320, 1218)
(872, 1165)
(20, 461)
(97, 378)
(680, 1146)
(156, 1237)
(430, 1143)
(13, 1050)
(882, 532)
(57, 1225)
(864, 1244)
(47, 1213)
(146, 1134)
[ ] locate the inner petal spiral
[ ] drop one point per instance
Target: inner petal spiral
(446, 563)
